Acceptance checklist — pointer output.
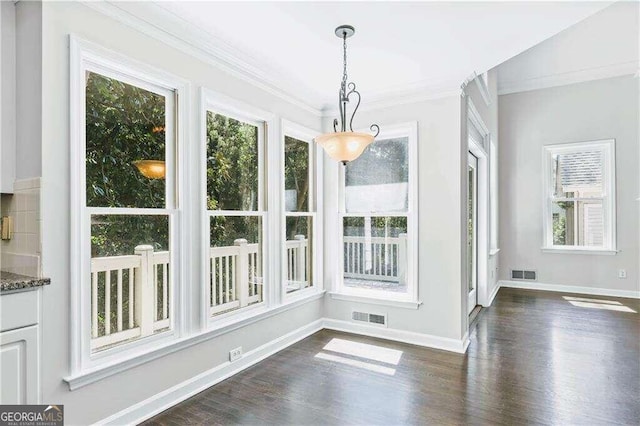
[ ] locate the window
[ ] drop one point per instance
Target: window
(125, 211)
(300, 207)
(236, 210)
(130, 214)
(580, 196)
(379, 226)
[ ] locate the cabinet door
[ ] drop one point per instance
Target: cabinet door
(19, 366)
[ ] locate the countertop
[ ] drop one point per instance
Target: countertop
(12, 282)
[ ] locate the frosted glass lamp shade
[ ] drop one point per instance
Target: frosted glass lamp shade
(344, 146)
(152, 169)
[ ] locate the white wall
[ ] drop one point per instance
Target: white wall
(103, 398)
(603, 45)
(29, 70)
(439, 251)
(602, 109)
(8, 91)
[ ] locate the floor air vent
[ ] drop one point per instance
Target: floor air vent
(523, 275)
(376, 319)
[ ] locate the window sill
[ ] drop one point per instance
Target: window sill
(294, 296)
(406, 304)
(579, 250)
(494, 251)
(233, 323)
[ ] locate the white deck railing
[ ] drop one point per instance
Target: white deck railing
(142, 286)
(235, 278)
(376, 258)
(142, 296)
(298, 263)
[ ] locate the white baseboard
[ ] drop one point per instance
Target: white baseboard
(570, 289)
(493, 295)
(178, 393)
(465, 342)
(419, 339)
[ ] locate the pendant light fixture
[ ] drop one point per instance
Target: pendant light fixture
(151, 169)
(346, 145)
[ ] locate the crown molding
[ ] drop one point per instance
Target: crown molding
(155, 21)
(420, 92)
(481, 84)
(571, 77)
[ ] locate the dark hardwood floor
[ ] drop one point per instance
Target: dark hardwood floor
(535, 358)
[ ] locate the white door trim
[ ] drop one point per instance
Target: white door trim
(472, 295)
(482, 235)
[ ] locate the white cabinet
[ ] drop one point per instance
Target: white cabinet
(19, 347)
(19, 366)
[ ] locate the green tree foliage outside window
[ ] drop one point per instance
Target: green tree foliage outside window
(124, 123)
(297, 183)
(232, 177)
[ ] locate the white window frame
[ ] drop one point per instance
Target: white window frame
(86, 56)
(304, 134)
(265, 122)
(493, 196)
(410, 298)
(607, 146)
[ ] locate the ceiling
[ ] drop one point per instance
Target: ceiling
(399, 47)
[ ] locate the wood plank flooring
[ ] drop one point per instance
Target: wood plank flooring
(535, 358)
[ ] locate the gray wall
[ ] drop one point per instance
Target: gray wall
(601, 109)
(489, 114)
(600, 46)
(439, 197)
(103, 398)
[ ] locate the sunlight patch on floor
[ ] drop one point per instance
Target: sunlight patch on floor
(355, 363)
(363, 350)
(609, 305)
(361, 355)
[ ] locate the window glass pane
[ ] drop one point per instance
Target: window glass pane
(296, 175)
(235, 260)
(299, 244)
(130, 278)
(232, 164)
(119, 235)
(577, 174)
(378, 181)
(375, 253)
(563, 220)
(124, 124)
(578, 223)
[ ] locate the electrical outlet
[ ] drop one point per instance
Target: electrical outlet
(622, 273)
(235, 354)
(7, 227)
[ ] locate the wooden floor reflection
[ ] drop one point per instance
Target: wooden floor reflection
(534, 357)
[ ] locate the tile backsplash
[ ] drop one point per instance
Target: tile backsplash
(21, 254)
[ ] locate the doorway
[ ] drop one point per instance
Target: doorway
(472, 232)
